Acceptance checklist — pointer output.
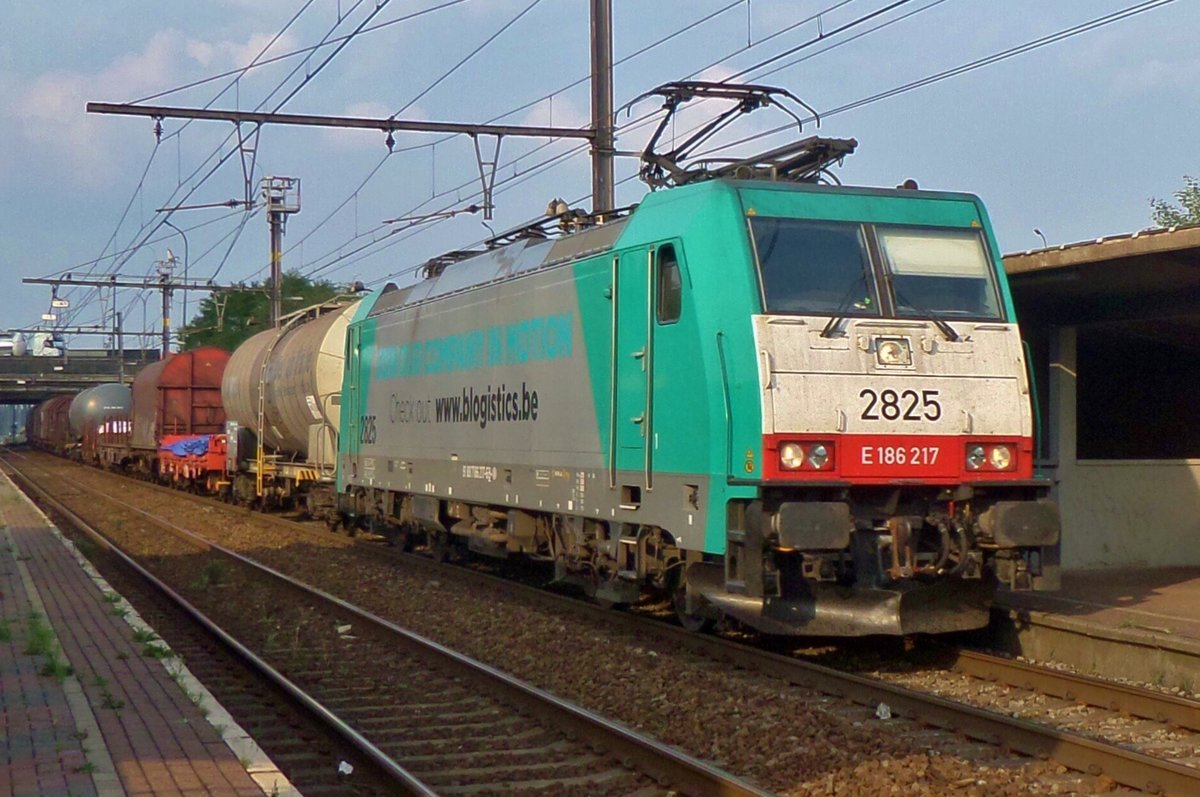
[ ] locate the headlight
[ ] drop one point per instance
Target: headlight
(990, 456)
(791, 456)
(818, 455)
(893, 352)
(976, 456)
(1000, 457)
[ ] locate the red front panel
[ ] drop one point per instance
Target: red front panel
(888, 459)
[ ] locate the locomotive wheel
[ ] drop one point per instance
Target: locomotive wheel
(695, 623)
(445, 548)
(439, 546)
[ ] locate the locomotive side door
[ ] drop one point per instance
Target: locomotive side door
(633, 370)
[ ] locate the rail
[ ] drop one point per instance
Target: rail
(662, 763)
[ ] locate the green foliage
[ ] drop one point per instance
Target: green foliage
(144, 635)
(1187, 212)
(212, 574)
(56, 668)
(227, 319)
(41, 638)
(153, 651)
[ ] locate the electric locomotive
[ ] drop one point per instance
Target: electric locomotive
(803, 407)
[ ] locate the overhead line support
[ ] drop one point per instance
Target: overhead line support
(602, 107)
(387, 125)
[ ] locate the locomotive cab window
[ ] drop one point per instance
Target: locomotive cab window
(818, 267)
(939, 271)
(670, 286)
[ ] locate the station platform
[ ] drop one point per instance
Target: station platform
(1142, 624)
(82, 711)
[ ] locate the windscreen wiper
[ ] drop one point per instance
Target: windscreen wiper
(847, 301)
(942, 324)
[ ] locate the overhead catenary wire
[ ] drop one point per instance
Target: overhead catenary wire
(1063, 34)
(158, 139)
(640, 121)
(145, 235)
(375, 170)
(979, 63)
(527, 105)
(295, 53)
(380, 4)
(582, 148)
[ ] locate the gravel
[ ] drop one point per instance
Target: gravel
(787, 739)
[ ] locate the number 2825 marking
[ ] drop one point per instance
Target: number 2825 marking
(907, 405)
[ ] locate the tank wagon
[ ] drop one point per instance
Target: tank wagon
(804, 407)
(282, 388)
(96, 411)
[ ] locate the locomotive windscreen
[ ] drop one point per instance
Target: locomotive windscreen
(830, 268)
(818, 267)
(943, 271)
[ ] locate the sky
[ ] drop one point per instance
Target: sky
(1072, 139)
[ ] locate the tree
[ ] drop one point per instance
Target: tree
(1188, 212)
(227, 319)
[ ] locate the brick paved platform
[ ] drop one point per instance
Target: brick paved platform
(1142, 624)
(82, 711)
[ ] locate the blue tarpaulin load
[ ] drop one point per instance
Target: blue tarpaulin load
(189, 446)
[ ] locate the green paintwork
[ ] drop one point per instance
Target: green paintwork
(359, 337)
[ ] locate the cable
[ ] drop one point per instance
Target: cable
(970, 66)
(468, 57)
(292, 54)
(489, 40)
(820, 37)
(154, 227)
(256, 61)
(624, 59)
(379, 6)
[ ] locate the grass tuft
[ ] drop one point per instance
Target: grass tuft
(41, 638)
(153, 651)
(144, 635)
(212, 574)
(56, 668)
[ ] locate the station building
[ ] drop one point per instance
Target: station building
(1113, 330)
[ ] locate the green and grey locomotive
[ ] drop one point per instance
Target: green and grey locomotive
(802, 407)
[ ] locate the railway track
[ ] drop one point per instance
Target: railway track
(1094, 756)
(434, 720)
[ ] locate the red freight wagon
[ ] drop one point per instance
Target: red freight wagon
(180, 395)
(49, 425)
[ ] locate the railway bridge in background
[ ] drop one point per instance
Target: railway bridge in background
(29, 380)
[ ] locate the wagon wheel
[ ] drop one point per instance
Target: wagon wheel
(439, 546)
(696, 623)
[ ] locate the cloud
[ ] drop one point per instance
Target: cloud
(47, 117)
(1129, 68)
(557, 112)
(225, 55)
